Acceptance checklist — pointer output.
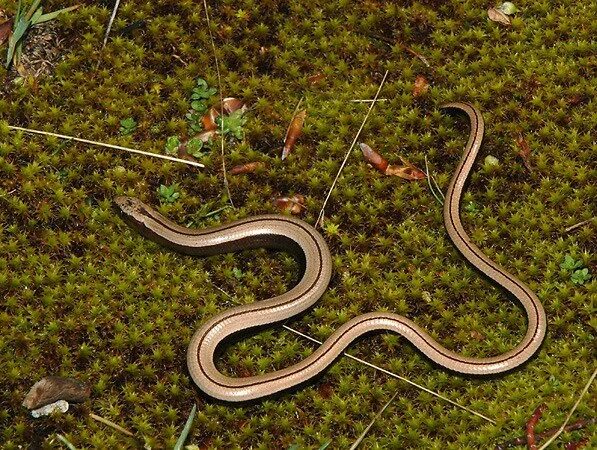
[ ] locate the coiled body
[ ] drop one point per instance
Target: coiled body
(298, 237)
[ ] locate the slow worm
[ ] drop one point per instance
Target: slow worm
(301, 239)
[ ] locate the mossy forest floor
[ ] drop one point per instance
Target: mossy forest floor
(87, 297)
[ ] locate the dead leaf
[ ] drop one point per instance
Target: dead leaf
(421, 86)
(51, 389)
(314, 79)
(231, 104)
(294, 131)
(407, 172)
(374, 158)
(228, 106)
(477, 336)
(524, 152)
(206, 135)
(295, 205)
(183, 153)
(496, 15)
(246, 168)
(577, 99)
(5, 29)
(209, 119)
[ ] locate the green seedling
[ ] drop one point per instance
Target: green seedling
(168, 194)
(570, 263)
(579, 274)
(23, 22)
(471, 207)
(172, 144)
(128, 126)
(196, 147)
(232, 124)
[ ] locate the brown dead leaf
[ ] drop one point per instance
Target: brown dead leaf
(407, 172)
(294, 131)
(374, 158)
(228, 106)
(421, 86)
(246, 168)
(51, 389)
(477, 336)
(5, 29)
(231, 104)
(496, 15)
(209, 119)
(524, 152)
(206, 135)
(295, 205)
(315, 79)
(183, 154)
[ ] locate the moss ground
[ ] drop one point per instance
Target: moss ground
(85, 296)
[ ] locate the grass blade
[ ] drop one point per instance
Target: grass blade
(51, 16)
(111, 424)
(366, 430)
(66, 442)
(185, 431)
(32, 10)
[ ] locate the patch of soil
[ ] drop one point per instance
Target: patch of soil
(42, 50)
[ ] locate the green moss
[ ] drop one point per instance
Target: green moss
(85, 296)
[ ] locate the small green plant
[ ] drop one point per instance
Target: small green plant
(232, 124)
(200, 93)
(127, 126)
(23, 22)
(196, 147)
(172, 144)
(570, 263)
(199, 96)
(578, 273)
(580, 276)
(471, 207)
(168, 194)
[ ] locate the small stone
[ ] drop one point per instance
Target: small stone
(60, 405)
(50, 389)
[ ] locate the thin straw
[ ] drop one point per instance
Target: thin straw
(103, 144)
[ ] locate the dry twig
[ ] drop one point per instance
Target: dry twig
(561, 429)
(530, 426)
(578, 425)
(112, 17)
(387, 372)
(321, 213)
(578, 225)
(366, 430)
(213, 46)
(103, 144)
